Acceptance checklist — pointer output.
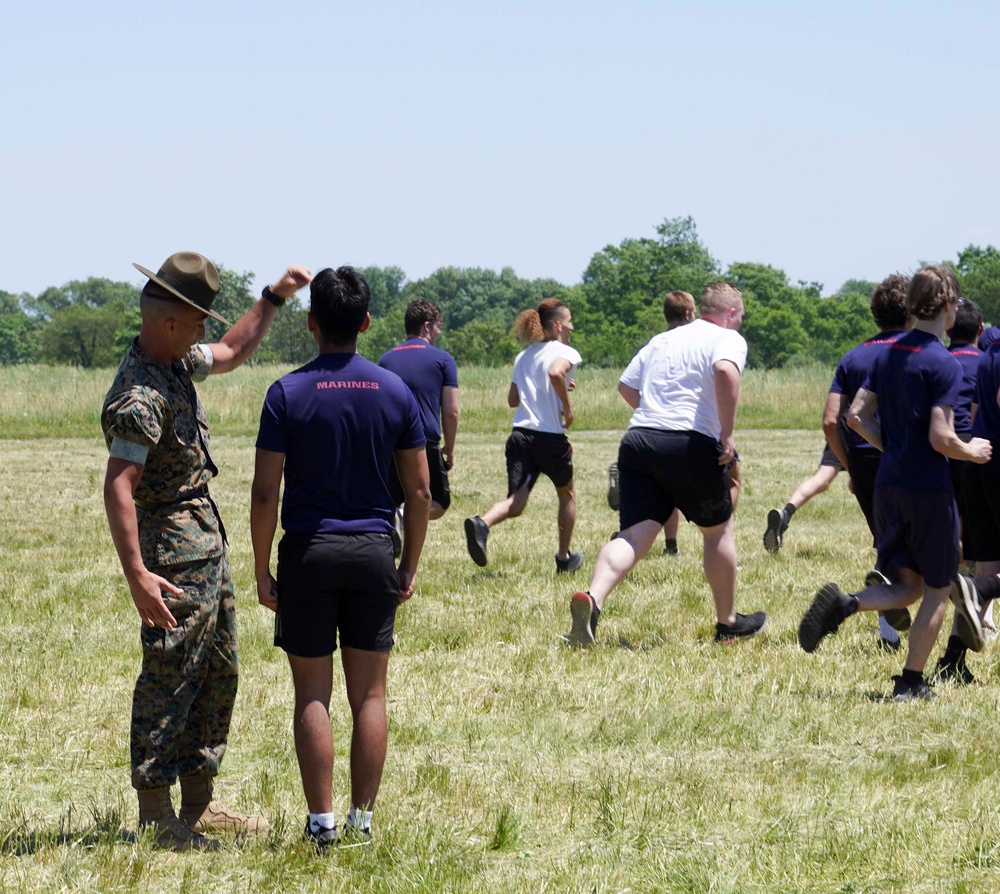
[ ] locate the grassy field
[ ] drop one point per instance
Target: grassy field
(657, 762)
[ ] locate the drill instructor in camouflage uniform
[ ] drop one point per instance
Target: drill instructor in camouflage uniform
(172, 543)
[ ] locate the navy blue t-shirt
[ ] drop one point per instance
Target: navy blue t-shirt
(987, 421)
(338, 421)
(852, 372)
(988, 336)
(968, 356)
(915, 374)
(426, 370)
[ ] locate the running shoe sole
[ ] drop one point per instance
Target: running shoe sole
(581, 607)
(970, 628)
(772, 536)
(820, 618)
(476, 549)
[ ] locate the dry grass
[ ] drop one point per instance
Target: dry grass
(657, 762)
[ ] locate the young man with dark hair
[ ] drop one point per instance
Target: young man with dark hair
(333, 428)
(913, 387)
(432, 376)
(684, 387)
(170, 539)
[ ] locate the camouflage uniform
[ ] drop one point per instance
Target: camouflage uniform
(184, 696)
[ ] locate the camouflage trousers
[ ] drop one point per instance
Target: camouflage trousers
(184, 696)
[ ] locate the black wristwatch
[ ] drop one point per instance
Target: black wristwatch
(276, 300)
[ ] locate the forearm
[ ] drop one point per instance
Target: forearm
(449, 430)
(416, 514)
(727, 395)
(866, 426)
(246, 334)
(263, 524)
(559, 385)
(124, 525)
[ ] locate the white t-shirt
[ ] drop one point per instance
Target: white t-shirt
(540, 407)
(673, 374)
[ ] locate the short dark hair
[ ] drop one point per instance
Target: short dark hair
(418, 312)
(968, 319)
(932, 288)
(888, 304)
(338, 301)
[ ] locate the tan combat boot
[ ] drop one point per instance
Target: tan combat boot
(201, 812)
(157, 813)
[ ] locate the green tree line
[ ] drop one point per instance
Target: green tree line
(616, 308)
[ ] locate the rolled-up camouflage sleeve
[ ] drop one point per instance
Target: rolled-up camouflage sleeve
(199, 361)
(134, 425)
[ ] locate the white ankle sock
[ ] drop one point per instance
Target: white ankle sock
(319, 821)
(887, 630)
(360, 819)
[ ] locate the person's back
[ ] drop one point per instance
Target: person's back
(426, 370)
(540, 408)
(338, 420)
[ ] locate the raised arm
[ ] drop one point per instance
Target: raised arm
(246, 334)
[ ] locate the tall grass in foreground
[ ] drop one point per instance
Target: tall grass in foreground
(64, 402)
(657, 762)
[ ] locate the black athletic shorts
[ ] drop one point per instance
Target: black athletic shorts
(917, 530)
(659, 471)
(829, 458)
(532, 452)
(440, 488)
(331, 582)
(981, 512)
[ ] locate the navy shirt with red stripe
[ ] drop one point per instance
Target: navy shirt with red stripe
(969, 356)
(338, 420)
(426, 370)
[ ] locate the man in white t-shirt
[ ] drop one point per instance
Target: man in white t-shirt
(684, 386)
(539, 393)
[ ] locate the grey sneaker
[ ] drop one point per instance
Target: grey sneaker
(322, 838)
(909, 692)
(583, 612)
(573, 562)
(614, 494)
(829, 607)
(775, 528)
(476, 532)
(964, 597)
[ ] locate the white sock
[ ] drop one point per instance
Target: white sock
(887, 630)
(319, 821)
(360, 819)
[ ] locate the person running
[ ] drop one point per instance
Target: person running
(431, 374)
(779, 519)
(539, 394)
(913, 387)
(684, 387)
(332, 429)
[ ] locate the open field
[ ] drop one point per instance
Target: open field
(65, 402)
(657, 762)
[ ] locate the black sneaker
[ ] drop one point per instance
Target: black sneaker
(476, 532)
(322, 838)
(969, 627)
(889, 645)
(956, 672)
(828, 609)
(908, 692)
(583, 613)
(775, 528)
(614, 494)
(746, 625)
(670, 548)
(573, 562)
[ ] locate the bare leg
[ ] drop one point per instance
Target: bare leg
(815, 484)
(313, 682)
(364, 676)
(618, 557)
(567, 517)
(720, 568)
(735, 483)
(926, 627)
(511, 507)
(878, 597)
(672, 524)
(437, 510)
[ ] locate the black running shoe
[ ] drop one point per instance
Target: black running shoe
(955, 672)
(828, 609)
(775, 528)
(670, 548)
(583, 614)
(476, 532)
(745, 625)
(614, 494)
(964, 597)
(902, 691)
(573, 562)
(323, 839)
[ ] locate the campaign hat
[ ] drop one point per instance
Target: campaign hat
(188, 277)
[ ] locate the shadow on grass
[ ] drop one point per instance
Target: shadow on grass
(23, 842)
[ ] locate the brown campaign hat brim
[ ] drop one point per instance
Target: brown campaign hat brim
(173, 291)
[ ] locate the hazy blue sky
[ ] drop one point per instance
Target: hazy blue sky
(832, 140)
